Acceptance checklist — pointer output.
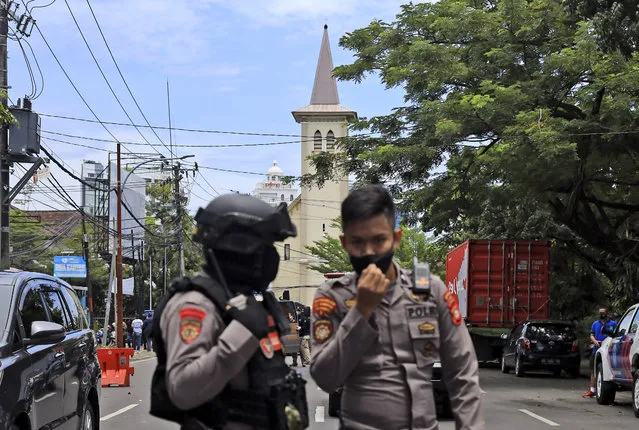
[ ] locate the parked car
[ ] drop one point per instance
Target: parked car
(440, 392)
(49, 371)
(542, 345)
(617, 360)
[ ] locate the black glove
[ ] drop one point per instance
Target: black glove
(253, 317)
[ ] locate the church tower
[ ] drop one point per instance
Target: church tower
(323, 121)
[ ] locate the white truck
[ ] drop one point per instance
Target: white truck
(617, 360)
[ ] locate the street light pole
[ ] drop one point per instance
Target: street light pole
(120, 186)
(118, 266)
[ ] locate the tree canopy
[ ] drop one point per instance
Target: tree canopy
(520, 120)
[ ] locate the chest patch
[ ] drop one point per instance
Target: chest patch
(420, 311)
(427, 328)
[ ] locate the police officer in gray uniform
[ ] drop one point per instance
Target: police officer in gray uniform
(220, 358)
(377, 336)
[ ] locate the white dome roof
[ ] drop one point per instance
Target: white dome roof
(275, 170)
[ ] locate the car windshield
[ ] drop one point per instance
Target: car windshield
(5, 302)
(551, 332)
(289, 310)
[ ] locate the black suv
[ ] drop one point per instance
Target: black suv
(542, 345)
(49, 372)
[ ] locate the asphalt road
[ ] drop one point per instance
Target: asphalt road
(535, 402)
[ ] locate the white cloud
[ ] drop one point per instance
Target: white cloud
(285, 12)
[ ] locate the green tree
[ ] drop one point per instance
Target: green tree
(414, 243)
(529, 115)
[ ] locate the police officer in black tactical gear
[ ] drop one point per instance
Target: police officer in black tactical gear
(220, 358)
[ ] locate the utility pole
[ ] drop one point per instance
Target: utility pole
(150, 278)
(4, 141)
(119, 317)
(87, 280)
(164, 266)
(178, 207)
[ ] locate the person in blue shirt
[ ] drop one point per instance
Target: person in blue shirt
(596, 337)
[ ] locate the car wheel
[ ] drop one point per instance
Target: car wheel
(605, 389)
(87, 421)
(519, 369)
(635, 393)
(504, 368)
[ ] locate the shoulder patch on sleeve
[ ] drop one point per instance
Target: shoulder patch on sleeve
(191, 323)
(323, 306)
(453, 305)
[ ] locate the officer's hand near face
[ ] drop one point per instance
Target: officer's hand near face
(371, 289)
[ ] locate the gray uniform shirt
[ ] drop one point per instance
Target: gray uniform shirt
(200, 364)
(385, 364)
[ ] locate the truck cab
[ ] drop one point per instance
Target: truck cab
(617, 360)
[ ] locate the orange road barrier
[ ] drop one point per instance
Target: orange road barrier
(114, 363)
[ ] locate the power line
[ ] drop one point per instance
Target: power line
(95, 60)
(95, 139)
(97, 23)
(191, 130)
(97, 119)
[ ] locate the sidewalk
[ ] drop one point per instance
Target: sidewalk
(142, 355)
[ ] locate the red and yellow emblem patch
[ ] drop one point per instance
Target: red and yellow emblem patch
(323, 306)
(191, 324)
(453, 305)
(322, 330)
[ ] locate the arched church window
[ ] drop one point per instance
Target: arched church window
(282, 197)
(291, 197)
(317, 141)
(330, 141)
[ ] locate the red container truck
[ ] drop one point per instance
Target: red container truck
(499, 283)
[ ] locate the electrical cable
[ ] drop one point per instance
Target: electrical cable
(126, 84)
(97, 63)
(97, 119)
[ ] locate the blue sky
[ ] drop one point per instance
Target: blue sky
(232, 66)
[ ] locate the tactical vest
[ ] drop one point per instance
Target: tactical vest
(275, 391)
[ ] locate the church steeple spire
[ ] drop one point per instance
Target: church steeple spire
(325, 86)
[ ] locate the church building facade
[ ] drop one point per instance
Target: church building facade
(322, 122)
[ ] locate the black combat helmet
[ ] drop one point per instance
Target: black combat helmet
(239, 231)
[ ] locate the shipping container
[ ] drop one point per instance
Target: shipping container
(500, 282)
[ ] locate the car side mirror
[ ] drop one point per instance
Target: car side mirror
(45, 332)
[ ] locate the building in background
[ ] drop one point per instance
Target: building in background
(315, 209)
(92, 173)
(275, 189)
(152, 177)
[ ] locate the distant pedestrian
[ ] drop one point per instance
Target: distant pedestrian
(597, 336)
(137, 333)
(147, 332)
(305, 336)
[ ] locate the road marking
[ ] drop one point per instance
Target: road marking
(116, 413)
(319, 414)
(540, 418)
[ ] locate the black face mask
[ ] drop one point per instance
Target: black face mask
(383, 261)
(245, 273)
(603, 316)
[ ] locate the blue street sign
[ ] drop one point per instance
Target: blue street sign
(68, 266)
(398, 220)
